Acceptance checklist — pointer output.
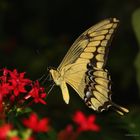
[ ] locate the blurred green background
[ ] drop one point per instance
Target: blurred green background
(37, 34)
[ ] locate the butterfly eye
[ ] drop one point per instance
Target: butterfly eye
(48, 68)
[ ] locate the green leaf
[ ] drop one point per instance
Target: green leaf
(52, 135)
(136, 24)
(133, 120)
(136, 27)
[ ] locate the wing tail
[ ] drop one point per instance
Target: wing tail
(119, 109)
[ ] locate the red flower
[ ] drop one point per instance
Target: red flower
(15, 138)
(4, 76)
(5, 71)
(5, 88)
(18, 82)
(68, 134)
(85, 123)
(35, 124)
(37, 93)
(1, 105)
(4, 131)
(2, 113)
(31, 138)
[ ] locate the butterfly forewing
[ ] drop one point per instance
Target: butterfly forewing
(97, 35)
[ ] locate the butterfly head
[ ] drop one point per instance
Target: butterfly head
(55, 76)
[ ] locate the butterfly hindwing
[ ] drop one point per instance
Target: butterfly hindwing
(98, 89)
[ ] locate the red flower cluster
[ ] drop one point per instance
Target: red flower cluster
(37, 93)
(15, 89)
(4, 129)
(85, 123)
(18, 82)
(35, 124)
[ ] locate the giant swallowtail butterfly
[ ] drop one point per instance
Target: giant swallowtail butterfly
(83, 67)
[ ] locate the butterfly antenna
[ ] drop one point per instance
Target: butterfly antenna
(46, 78)
(40, 79)
(51, 88)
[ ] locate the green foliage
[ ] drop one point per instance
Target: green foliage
(136, 23)
(136, 27)
(133, 121)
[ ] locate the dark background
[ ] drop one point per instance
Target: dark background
(37, 34)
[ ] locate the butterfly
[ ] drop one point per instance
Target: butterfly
(83, 68)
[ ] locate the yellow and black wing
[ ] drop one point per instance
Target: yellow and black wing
(98, 35)
(83, 67)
